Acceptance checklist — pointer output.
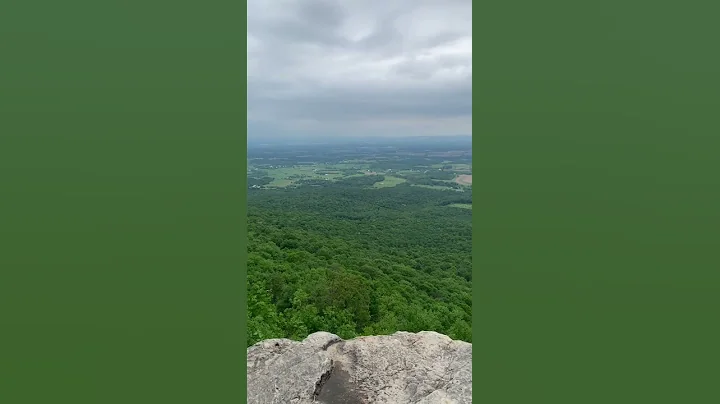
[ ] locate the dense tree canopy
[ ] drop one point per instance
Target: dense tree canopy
(344, 258)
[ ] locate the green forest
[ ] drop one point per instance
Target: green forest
(344, 258)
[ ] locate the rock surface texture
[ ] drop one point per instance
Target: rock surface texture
(422, 368)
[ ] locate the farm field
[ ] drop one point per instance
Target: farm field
(436, 187)
(389, 181)
(464, 179)
(380, 167)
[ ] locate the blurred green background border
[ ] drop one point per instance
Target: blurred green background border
(595, 234)
(122, 153)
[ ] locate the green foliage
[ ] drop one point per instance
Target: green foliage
(353, 261)
(263, 319)
(364, 181)
(259, 181)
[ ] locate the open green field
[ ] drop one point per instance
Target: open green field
(290, 175)
(433, 187)
(285, 176)
(389, 182)
(315, 165)
(280, 182)
(455, 166)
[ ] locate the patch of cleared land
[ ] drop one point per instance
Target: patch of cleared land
(461, 205)
(464, 179)
(433, 187)
(389, 182)
(286, 176)
(280, 182)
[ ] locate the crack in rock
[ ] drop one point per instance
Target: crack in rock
(412, 368)
(323, 379)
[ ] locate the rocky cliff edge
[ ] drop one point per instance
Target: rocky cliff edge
(417, 368)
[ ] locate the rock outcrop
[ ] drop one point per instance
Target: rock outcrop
(421, 368)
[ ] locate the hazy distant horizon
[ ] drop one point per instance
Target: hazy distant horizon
(321, 138)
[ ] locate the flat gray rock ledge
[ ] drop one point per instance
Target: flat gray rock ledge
(422, 368)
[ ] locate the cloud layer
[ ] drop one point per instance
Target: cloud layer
(359, 67)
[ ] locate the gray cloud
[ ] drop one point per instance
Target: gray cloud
(373, 67)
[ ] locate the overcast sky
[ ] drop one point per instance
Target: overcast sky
(359, 67)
